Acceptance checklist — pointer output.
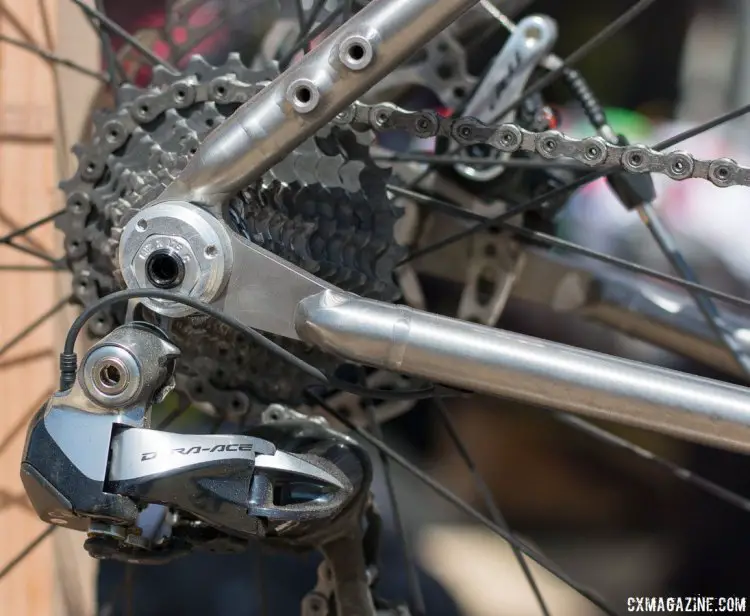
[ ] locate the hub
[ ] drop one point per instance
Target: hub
(176, 246)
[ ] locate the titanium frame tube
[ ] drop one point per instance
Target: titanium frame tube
(509, 365)
(310, 94)
(664, 316)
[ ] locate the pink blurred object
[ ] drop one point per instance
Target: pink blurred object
(147, 20)
(711, 224)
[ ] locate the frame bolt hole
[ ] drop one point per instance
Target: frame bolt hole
(165, 269)
(110, 376)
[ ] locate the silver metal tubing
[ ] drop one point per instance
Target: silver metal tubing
(510, 365)
(306, 96)
(656, 313)
(637, 306)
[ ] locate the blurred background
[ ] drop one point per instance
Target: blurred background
(610, 519)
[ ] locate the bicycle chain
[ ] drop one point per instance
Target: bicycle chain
(595, 152)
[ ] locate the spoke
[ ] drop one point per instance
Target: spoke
(8, 239)
(61, 133)
(486, 161)
(33, 326)
(481, 486)
(467, 509)
(602, 36)
(19, 558)
(707, 308)
(12, 224)
(300, 17)
(456, 211)
(23, 421)
(15, 23)
(26, 359)
(702, 128)
(479, 40)
(314, 14)
(303, 36)
(417, 607)
(304, 42)
(113, 28)
(682, 473)
(501, 19)
(31, 226)
(31, 268)
(34, 253)
(510, 213)
(114, 68)
(54, 59)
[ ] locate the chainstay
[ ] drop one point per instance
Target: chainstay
(595, 152)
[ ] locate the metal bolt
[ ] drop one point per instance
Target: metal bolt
(356, 52)
(303, 95)
(680, 165)
(110, 376)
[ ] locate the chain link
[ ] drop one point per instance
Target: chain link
(594, 152)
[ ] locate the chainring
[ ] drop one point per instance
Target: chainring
(325, 208)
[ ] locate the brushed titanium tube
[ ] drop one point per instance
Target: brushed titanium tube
(510, 365)
(636, 306)
(308, 95)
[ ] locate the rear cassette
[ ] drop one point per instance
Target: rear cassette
(325, 208)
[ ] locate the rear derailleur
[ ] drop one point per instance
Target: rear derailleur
(92, 463)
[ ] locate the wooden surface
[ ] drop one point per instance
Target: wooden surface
(54, 579)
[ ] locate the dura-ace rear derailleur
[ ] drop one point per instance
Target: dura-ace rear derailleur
(92, 463)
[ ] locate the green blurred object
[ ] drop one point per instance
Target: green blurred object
(637, 127)
(192, 420)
